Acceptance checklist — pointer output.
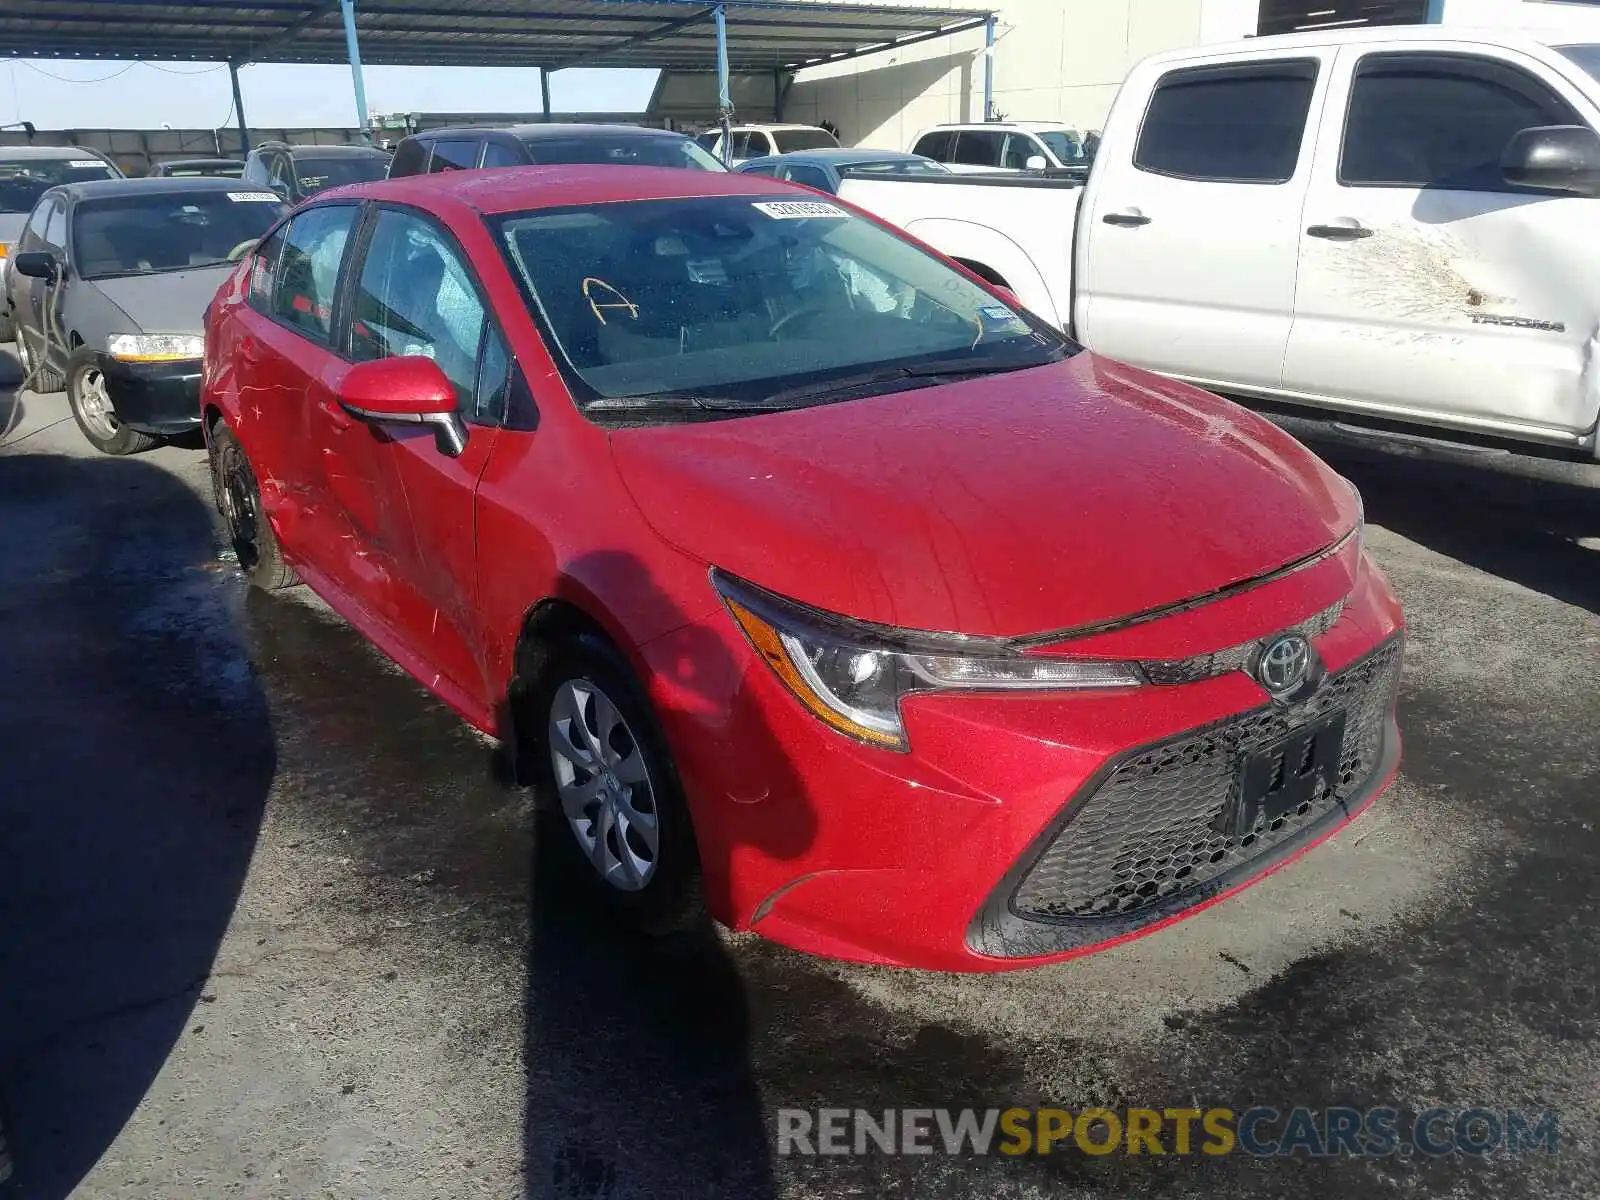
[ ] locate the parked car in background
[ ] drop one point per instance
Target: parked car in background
(1387, 226)
(1000, 146)
(296, 172)
(185, 168)
(439, 150)
(825, 169)
(108, 289)
(25, 173)
(800, 559)
(760, 141)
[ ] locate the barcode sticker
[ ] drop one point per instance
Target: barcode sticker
(799, 210)
(256, 197)
(78, 163)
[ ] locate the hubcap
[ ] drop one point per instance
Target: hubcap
(604, 785)
(95, 404)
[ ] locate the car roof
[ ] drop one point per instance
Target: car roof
(841, 156)
(312, 148)
(1511, 35)
(100, 189)
(526, 188)
(550, 130)
(1002, 126)
(778, 127)
(52, 153)
(190, 162)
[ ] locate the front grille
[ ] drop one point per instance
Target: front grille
(1234, 658)
(1154, 828)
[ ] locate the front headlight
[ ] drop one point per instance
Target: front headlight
(852, 675)
(155, 347)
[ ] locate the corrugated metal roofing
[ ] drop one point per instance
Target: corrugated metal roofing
(673, 34)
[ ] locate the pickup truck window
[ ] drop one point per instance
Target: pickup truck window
(1440, 121)
(1587, 57)
(934, 145)
(978, 148)
(1241, 123)
(454, 156)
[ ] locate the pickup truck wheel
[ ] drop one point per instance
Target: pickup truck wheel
(95, 414)
(605, 762)
(260, 556)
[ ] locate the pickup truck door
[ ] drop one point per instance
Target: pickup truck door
(1188, 239)
(1430, 288)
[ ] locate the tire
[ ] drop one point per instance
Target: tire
(260, 556)
(669, 899)
(92, 409)
(49, 380)
(8, 327)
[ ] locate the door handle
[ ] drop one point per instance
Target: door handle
(1345, 229)
(1129, 218)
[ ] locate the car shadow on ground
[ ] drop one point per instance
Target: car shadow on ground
(1521, 520)
(137, 756)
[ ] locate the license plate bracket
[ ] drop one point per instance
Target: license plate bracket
(1277, 780)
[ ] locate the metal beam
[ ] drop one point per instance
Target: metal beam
(291, 31)
(724, 97)
(544, 93)
(649, 35)
(898, 43)
(238, 111)
(348, 9)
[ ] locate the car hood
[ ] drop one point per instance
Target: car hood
(999, 506)
(167, 301)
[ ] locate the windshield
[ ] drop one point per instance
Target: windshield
(625, 150)
(23, 181)
(168, 231)
(314, 173)
(1587, 57)
(740, 298)
(1063, 143)
(803, 139)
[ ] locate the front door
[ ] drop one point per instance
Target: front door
(416, 295)
(1429, 287)
(1187, 254)
(46, 230)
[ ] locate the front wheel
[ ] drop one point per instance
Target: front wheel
(92, 408)
(234, 482)
(606, 763)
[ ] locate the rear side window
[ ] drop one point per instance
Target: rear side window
(308, 273)
(790, 140)
(813, 177)
(1440, 121)
(497, 154)
(410, 158)
(454, 156)
(978, 147)
(934, 145)
(765, 168)
(1241, 123)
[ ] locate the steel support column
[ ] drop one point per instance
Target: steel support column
(347, 9)
(724, 97)
(988, 69)
(238, 111)
(778, 91)
(544, 93)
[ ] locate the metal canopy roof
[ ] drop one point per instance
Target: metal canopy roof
(763, 35)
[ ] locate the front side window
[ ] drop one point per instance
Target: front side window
(308, 272)
(410, 158)
(1240, 123)
(1586, 56)
(1440, 121)
(812, 177)
(157, 230)
(415, 297)
(747, 301)
(1019, 149)
(496, 154)
(459, 155)
(24, 180)
(1064, 144)
(33, 231)
(55, 226)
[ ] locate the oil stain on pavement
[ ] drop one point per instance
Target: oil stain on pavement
(276, 926)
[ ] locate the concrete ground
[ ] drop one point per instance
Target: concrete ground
(270, 926)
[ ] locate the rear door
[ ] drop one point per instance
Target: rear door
(416, 294)
(1430, 288)
(1189, 242)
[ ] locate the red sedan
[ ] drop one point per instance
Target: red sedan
(821, 586)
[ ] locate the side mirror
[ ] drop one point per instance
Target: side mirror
(406, 391)
(1562, 158)
(1035, 162)
(37, 264)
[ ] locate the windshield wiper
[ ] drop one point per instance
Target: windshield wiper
(674, 402)
(925, 374)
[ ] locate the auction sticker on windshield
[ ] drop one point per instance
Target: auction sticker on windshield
(256, 197)
(793, 210)
(76, 163)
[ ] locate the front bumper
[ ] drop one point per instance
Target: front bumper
(919, 859)
(157, 398)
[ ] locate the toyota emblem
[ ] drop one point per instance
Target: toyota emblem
(1285, 663)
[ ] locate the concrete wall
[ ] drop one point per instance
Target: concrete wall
(1580, 20)
(1055, 60)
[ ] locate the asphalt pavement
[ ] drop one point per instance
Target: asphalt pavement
(272, 924)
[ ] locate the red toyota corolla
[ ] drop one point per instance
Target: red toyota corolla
(818, 584)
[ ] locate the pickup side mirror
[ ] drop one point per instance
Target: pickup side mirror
(38, 264)
(1561, 158)
(1035, 162)
(406, 391)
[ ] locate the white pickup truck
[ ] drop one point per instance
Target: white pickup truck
(1397, 223)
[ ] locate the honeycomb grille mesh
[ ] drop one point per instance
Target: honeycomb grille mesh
(1154, 828)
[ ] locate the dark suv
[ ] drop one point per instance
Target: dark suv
(529, 145)
(295, 172)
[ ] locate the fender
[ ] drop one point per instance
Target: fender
(980, 244)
